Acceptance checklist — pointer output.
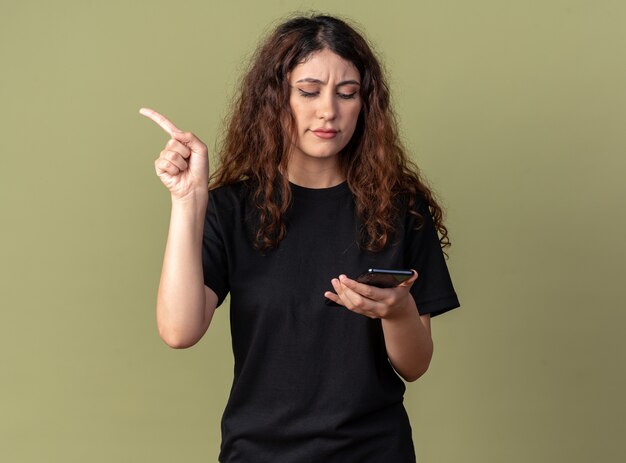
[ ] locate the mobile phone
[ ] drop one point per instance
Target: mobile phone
(384, 278)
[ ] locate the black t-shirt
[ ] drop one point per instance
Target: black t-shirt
(312, 381)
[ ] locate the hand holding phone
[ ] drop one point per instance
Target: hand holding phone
(381, 278)
(394, 309)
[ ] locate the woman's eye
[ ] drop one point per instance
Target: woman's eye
(308, 94)
(343, 96)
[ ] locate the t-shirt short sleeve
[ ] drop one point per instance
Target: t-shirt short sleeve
(433, 291)
(214, 258)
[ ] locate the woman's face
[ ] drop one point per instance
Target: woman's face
(325, 102)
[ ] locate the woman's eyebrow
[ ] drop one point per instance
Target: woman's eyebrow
(311, 80)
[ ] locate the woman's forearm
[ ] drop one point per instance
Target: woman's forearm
(181, 313)
(408, 341)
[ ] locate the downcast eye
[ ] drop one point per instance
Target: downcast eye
(307, 94)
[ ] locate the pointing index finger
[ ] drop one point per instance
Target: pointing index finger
(160, 119)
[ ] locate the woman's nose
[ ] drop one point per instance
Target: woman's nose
(327, 109)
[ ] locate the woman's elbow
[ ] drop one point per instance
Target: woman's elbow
(409, 378)
(421, 368)
(175, 340)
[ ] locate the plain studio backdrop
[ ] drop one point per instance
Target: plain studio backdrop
(515, 111)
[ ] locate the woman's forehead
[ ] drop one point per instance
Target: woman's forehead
(322, 66)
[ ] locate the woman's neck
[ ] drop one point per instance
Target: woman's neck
(321, 173)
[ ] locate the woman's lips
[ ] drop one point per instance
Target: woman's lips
(326, 134)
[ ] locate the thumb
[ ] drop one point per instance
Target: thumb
(190, 140)
(408, 283)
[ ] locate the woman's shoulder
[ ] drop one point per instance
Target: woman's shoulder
(407, 201)
(230, 192)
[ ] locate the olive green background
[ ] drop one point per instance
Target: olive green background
(515, 111)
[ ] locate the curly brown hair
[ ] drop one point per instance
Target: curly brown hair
(256, 143)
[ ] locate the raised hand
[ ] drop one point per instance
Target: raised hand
(183, 165)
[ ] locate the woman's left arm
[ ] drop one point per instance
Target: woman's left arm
(407, 334)
(409, 342)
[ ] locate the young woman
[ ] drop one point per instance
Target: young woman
(313, 187)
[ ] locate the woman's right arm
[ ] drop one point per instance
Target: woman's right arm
(185, 306)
